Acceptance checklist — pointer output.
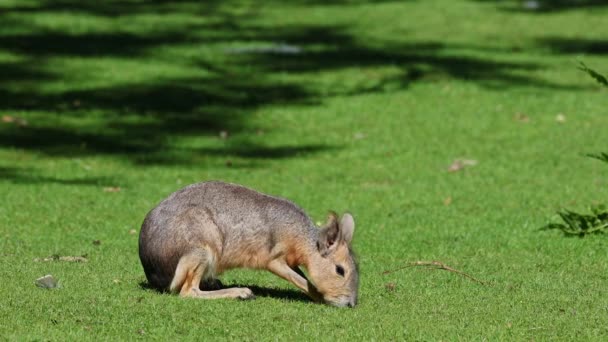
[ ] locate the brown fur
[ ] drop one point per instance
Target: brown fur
(206, 228)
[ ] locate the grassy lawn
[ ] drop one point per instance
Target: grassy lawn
(109, 106)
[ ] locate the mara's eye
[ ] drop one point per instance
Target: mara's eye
(340, 270)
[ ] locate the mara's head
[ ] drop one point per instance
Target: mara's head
(334, 270)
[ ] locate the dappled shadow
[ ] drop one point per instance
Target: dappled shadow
(253, 151)
(139, 118)
(50, 43)
(548, 6)
(416, 61)
(22, 71)
(222, 65)
(118, 8)
(29, 176)
(576, 46)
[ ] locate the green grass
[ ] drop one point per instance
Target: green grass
(363, 109)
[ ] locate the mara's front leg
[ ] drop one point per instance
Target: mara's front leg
(280, 268)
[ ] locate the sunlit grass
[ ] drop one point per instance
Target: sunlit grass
(109, 107)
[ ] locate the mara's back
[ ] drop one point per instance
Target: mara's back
(232, 221)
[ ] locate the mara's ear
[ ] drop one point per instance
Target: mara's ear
(347, 228)
(329, 235)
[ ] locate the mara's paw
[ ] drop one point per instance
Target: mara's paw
(245, 293)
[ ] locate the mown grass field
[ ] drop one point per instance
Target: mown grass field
(110, 106)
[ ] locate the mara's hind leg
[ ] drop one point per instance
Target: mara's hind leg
(192, 269)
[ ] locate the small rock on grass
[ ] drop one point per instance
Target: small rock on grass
(531, 5)
(47, 282)
(359, 136)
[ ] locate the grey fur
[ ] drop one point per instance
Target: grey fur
(226, 225)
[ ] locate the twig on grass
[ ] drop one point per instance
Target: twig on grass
(436, 265)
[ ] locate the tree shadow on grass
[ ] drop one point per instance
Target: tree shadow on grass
(18, 175)
(548, 6)
(240, 73)
(154, 114)
(575, 46)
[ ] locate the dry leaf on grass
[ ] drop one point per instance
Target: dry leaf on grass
(14, 119)
(460, 164)
(521, 117)
(390, 286)
(561, 118)
(447, 200)
(73, 259)
(63, 258)
(21, 122)
(112, 189)
(437, 265)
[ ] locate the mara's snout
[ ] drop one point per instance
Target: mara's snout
(343, 302)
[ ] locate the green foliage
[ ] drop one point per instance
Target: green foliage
(582, 224)
(596, 222)
(596, 75)
(603, 156)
